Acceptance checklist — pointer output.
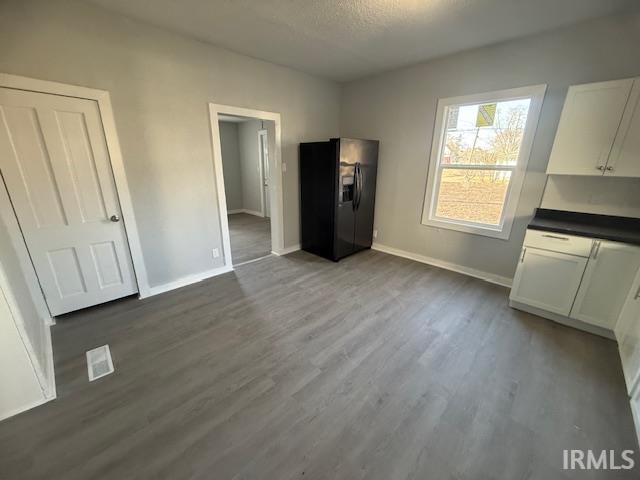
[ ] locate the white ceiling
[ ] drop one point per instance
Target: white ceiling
(347, 39)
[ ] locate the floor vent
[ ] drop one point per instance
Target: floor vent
(99, 362)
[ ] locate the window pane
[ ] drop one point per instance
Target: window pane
(472, 195)
(485, 133)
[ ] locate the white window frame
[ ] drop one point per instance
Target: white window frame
(503, 229)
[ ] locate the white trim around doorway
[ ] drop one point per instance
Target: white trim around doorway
(276, 197)
(103, 99)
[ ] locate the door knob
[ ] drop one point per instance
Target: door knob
(114, 218)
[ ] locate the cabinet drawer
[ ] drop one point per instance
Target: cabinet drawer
(558, 242)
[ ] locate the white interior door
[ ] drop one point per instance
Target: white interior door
(264, 164)
(56, 167)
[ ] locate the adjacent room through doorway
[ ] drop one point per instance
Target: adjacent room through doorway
(245, 144)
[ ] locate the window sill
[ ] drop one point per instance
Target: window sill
(502, 234)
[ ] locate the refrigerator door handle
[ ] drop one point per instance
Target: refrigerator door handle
(360, 184)
(354, 199)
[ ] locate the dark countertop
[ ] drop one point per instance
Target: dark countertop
(606, 227)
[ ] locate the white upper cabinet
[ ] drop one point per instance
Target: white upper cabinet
(624, 160)
(610, 271)
(628, 335)
(588, 128)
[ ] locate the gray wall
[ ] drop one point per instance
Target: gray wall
(160, 84)
(398, 108)
(229, 145)
(607, 196)
(250, 161)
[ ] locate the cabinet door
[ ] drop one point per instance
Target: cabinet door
(547, 280)
(606, 282)
(628, 335)
(588, 125)
(625, 155)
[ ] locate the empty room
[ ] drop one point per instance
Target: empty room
(296, 239)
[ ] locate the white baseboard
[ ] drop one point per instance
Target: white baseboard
(247, 211)
(188, 280)
(286, 250)
(472, 272)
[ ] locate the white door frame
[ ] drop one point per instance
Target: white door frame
(263, 132)
(103, 99)
(275, 197)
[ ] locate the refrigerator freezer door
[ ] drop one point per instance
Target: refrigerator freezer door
(345, 212)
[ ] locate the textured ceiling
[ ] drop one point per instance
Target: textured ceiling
(347, 39)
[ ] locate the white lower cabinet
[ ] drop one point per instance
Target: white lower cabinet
(604, 287)
(547, 280)
(575, 278)
(628, 336)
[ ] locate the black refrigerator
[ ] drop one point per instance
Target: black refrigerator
(337, 196)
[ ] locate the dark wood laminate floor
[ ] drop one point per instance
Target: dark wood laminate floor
(250, 237)
(294, 367)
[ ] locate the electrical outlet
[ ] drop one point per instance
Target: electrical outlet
(216, 253)
(375, 234)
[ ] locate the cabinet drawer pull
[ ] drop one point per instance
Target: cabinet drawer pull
(595, 253)
(555, 236)
(600, 167)
(522, 256)
(609, 168)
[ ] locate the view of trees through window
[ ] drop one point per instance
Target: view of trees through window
(481, 148)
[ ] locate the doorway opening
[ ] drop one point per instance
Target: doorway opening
(244, 143)
(247, 159)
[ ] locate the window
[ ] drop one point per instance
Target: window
(479, 155)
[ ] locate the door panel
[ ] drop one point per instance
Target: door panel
(82, 166)
(56, 167)
(625, 156)
(628, 335)
(609, 273)
(547, 280)
(590, 119)
(43, 201)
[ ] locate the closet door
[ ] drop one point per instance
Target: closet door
(56, 166)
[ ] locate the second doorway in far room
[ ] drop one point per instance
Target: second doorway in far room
(245, 143)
